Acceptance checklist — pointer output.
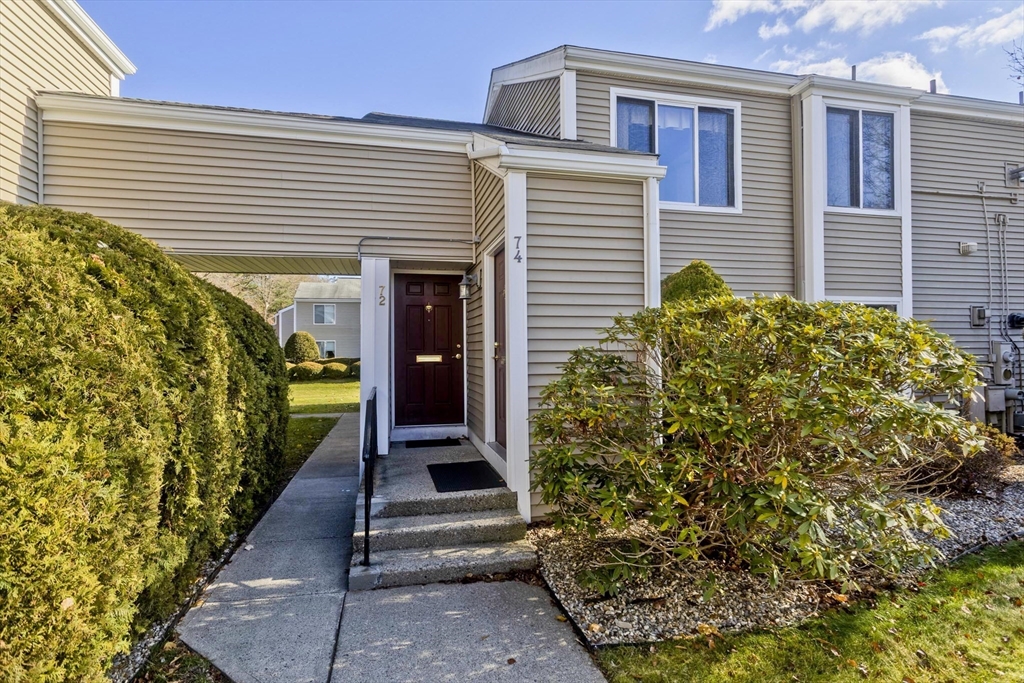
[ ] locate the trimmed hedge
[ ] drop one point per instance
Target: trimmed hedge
(301, 348)
(306, 371)
(696, 281)
(353, 370)
(142, 416)
(335, 371)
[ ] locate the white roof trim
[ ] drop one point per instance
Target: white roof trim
(88, 31)
(665, 69)
(635, 167)
(68, 108)
(967, 107)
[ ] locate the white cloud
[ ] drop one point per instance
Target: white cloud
(728, 11)
(837, 15)
(973, 36)
(767, 32)
(860, 15)
(710, 58)
(894, 68)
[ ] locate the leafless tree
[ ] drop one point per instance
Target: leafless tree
(265, 293)
(1015, 60)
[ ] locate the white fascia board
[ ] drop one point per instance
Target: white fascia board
(860, 91)
(545, 65)
(665, 69)
(71, 108)
(577, 163)
(92, 36)
(970, 108)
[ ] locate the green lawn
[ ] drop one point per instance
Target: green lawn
(965, 623)
(325, 396)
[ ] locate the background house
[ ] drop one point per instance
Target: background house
(327, 310)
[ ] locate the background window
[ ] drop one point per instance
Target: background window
(635, 123)
(861, 153)
(327, 349)
(323, 314)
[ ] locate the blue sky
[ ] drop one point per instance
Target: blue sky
(434, 58)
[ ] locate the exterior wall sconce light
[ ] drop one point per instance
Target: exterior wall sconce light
(468, 281)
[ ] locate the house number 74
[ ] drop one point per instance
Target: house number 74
(518, 258)
(382, 301)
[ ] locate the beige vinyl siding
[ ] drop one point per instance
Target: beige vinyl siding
(36, 53)
(489, 195)
(953, 155)
(863, 256)
(753, 250)
(585, 264)
(208, 192)
(344, 332)
(530, 106)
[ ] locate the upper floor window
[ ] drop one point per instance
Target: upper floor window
(861, 153)
(323, 314)
(696, 139)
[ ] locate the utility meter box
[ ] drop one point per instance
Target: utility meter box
(1002, 363)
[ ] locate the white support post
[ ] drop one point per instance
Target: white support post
(518, 410)
(375, 346)
(906, 211)
(567, 108)
(813, 228)
(652, 244)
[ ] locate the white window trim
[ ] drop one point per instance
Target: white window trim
(325, 342)
(871, 301)
(334, 309)
(897, 161)
(675, 100)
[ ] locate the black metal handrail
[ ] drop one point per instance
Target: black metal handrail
(369, 464)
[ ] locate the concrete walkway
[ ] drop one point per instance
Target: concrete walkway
(300, 415)
(272, 614)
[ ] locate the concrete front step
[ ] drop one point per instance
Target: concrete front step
(441, 503)
(427, 531)
(416, 566)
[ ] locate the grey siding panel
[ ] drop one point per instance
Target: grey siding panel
(345, 331)
(585, 264)
(287, 325)
(216, 193)
(489, 194)
(36, 53)
(753, 250)
(953, 155)
(863, 256)
(530, 106)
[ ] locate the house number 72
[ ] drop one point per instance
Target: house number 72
(518, 258)
(382, 299)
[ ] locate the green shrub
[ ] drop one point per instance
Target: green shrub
(306, 371)
(338, 359)
(301, 348)
(122, 437)
(980, 472)
(696, 281)
(775, 436)
(335, 371)
(288, 366)
(353, 370)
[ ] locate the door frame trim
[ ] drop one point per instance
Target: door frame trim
(486, 279)
(391, 334)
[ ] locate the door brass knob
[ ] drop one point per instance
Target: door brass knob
(458, 356)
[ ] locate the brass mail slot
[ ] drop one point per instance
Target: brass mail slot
(428, 359)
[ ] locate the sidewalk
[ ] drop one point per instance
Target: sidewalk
(272, 614)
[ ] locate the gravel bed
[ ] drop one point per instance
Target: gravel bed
(676, 604)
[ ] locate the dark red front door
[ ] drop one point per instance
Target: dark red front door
(500, 430)
(428, 350)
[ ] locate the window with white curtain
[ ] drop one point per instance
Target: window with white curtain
(697, 142)
(327, 348)
(861, 158)
(323, 314)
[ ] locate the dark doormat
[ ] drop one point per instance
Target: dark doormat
(464, 476)
(432, 443)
